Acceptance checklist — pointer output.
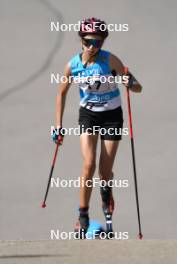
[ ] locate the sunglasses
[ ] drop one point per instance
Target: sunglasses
(96, 43)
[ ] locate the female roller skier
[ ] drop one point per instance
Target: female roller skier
(100, 106)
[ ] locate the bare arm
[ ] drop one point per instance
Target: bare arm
(61, 96)
(118, 66)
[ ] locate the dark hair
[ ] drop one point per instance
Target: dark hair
(93, 26)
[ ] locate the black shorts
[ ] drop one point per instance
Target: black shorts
(108, 124)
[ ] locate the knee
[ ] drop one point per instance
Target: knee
(89, 167)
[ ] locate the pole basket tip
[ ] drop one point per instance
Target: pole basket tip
(43, 205)
(140, 236)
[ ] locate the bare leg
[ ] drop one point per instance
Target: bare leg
(88, 149)
(107, 156)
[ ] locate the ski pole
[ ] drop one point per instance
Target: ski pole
(43, 204)
(133, 157)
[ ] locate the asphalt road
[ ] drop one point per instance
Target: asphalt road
(126, 252)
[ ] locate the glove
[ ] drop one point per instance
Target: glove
(131, 80)
(58, 136)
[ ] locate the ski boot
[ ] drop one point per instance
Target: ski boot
(82, 224)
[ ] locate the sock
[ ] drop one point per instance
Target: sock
(83, 211)
(107, 200)
(84, 218)
(105, 194)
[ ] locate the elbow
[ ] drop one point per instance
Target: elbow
(139, 88)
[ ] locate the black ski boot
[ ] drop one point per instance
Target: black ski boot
(82, 224)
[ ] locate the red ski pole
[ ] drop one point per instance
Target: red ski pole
(43, 204)
(133, 157)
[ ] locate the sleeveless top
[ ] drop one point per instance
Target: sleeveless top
(96, 92)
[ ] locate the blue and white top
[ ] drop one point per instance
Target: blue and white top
(96, 92)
